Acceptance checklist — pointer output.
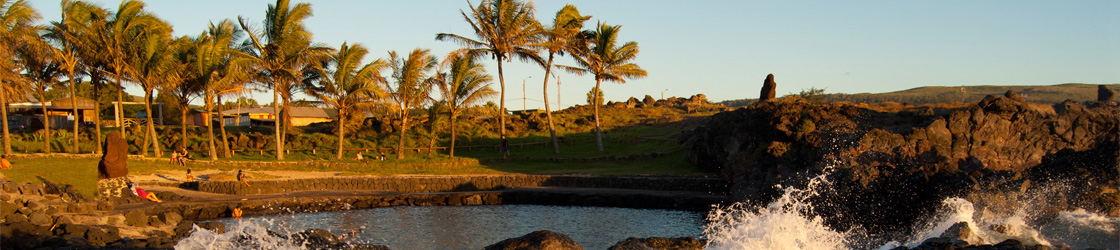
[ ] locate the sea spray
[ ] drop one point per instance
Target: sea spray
(244, 234)
(1083, 229)
(784, 224)
(986, 228)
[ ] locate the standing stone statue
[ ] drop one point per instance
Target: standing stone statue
(1104, 94)
(768, 87)
(112, 171)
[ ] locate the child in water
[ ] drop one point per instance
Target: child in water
(136, 190)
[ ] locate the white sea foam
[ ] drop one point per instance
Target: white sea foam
(243, 234)
(782, 224)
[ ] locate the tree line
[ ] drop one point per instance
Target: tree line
(131, 47)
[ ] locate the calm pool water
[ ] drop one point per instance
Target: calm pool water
(474, 227)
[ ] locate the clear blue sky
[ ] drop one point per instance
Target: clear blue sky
(724, 49)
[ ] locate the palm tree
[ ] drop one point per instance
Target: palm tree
(209, 68)
(465, 85)
(506, 29)
(559, 39)
(16, 27)
(43, 72)
(606, 62)
(188, 86)
(347, 85)
(153, 64)
(79, 33)
(411, 85)
(278, 56)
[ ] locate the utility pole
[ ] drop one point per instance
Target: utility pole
(523, 108)
(663, 94)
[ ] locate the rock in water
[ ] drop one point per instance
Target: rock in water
(768, 88)
(658, 243)
(539, 240)
(1104, 94)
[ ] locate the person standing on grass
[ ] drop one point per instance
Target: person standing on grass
(241, 178)
(505, 147)
(112, 171)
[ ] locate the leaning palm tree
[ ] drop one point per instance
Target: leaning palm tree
(506, 29)
(278, 57)
(466, 84)
(606, 62)
(79, 36)
(562, 37)
(209, 68)
(347, 85)
(43, 71)
(17, 20)
(411, 85)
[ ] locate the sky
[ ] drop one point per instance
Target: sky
(725, 49)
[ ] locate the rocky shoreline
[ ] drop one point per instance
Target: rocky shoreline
(888, 165)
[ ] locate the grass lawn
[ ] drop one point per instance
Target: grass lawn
(81, 173)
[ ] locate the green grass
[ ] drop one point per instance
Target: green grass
(626, 132)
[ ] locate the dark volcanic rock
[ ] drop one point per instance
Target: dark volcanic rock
(658, 243)
(768, 88)
(1104, 94)
(889, 166)
(541, 240)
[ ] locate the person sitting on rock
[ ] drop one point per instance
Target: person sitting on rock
(136, 190)
(241, 178)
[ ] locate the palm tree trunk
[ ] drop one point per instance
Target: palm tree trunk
(183, 128)
(210, 125)
(120, 107)
(4, 113)
(548, 110)
(276, 122)
(222, 125)
(431, 137)
(95, 81)
(341, 134)
(97, 125)
(598, 130)
(46, 126)
(451, 149)
(502, 108)
(400, 143)
(74, 107)
(151, 124)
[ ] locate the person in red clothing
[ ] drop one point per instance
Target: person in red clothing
(143, 193)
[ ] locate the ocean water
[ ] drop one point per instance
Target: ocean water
(784, 224)
(461, 227)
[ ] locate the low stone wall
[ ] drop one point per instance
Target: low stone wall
(431, 184)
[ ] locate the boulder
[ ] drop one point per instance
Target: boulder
(658, 243)
(539, 240)
(215, 227)
(648, 101)
(15, 218)
(1104, 94)
(768, 89)
(40, 218)
(136, 218)
(1014, 96)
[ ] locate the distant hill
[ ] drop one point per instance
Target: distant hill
(964, 94)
